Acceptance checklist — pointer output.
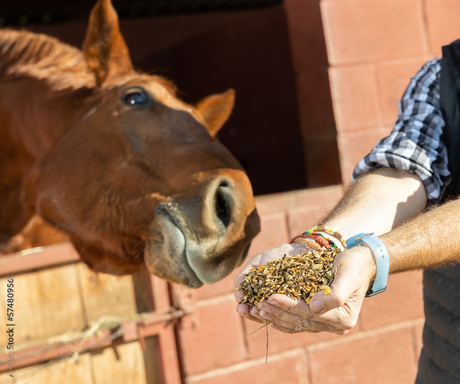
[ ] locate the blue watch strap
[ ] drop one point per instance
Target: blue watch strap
(381, 256)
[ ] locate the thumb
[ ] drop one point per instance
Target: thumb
(338, 295)
(353, 275)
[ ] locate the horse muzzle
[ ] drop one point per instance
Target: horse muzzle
(200, 239)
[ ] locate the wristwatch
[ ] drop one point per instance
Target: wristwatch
(382, 260)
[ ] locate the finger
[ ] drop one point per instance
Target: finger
(337, 321)
(354, 272)
(286, 330)
(297, 307)
(280, 328)
(293, 322)
(239, 295)
(245, 311)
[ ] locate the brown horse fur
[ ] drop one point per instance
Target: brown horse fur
(111, 157)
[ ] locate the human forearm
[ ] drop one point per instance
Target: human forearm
(428, 241)
(386, 198)
(378, 202)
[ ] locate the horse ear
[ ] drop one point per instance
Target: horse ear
(216, 110)
(105, 49)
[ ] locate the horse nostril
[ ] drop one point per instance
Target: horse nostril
(223, 204)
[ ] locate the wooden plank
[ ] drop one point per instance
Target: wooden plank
(171, 372)
(5, 378)
(58, 373)
(132, 330)
(43, 353)
(120, 365)
(37, 259)
(152, 360)
(46, 304)
(106, 295)
(151, 345)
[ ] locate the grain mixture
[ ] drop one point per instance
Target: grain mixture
(299, 277)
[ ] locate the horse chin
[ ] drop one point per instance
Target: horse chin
(166, 254)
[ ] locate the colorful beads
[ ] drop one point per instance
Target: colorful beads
(318, 241)
(322, 228)
(326, 243)
(312, 244)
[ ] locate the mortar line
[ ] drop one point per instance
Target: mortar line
(426, 26)
(308, 366)
(245, 338)
(414, 346)
(243, 365)
(215, 300)
(363, 334)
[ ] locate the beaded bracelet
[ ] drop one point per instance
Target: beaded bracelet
(309, 243)
(322, 228)
(317, 241)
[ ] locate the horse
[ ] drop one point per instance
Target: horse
(111, 157)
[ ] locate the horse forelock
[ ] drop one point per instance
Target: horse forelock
(26, 54)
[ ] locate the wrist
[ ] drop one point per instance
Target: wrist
(368, 260)
(382, 259)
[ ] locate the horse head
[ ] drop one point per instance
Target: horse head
(138, 178)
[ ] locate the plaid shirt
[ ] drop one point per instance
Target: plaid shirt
(415, 143)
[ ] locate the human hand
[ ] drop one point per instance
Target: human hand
(255, 262)
(336, 312)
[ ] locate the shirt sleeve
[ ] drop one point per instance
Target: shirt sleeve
(415, 143)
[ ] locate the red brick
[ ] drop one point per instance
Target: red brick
(273, 233)
(355, 145)
(401, 301)
(221, 288)
(354, 97)
(286, 369)
(184, 296)
(380, 358)
(212, 337)
(308, 198)
(303, 219)
(443, 25)
(369, 30)
(392, 80)
(280, 342)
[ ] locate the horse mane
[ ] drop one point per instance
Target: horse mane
(39, 56)
(34, 55)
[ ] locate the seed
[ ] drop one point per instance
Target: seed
(298, 276)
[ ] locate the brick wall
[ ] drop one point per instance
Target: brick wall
(369, 50)
(373, 48)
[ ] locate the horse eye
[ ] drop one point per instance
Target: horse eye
(137, 98)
